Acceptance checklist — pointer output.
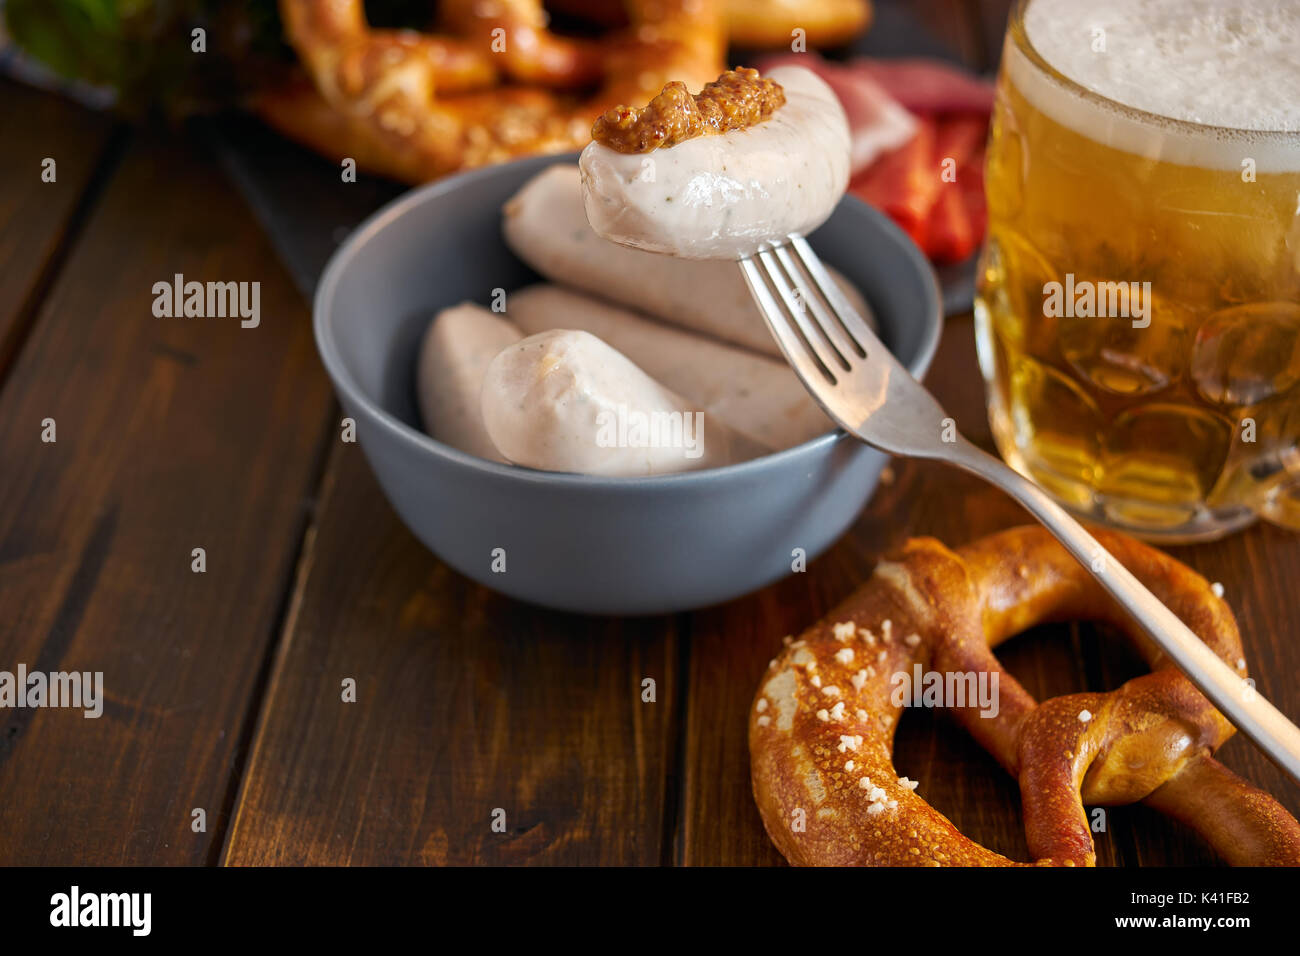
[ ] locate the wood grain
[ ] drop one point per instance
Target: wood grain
(36, 217)
(467, 703)
(172, 434)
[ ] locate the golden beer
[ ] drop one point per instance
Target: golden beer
(1138, 306)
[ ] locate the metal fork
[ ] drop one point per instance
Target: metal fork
(869, 394)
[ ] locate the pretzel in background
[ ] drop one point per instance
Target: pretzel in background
(757, 24)
(494, 85)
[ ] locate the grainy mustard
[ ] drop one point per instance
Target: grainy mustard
(736, 100)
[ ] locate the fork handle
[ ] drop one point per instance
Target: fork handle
(1254, 716)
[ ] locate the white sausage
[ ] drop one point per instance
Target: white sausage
(565, 401)
(457, 347)
(727, 196)
(753, 394)
(545, 226)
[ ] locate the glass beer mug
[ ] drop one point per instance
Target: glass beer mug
(1138, 304)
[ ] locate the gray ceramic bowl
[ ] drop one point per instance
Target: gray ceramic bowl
(574, 542)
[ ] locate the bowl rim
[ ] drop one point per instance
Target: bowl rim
(382, 218)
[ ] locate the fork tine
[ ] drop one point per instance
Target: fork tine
(796, 352)
(856, 327)
(816, 343)
(831, 329)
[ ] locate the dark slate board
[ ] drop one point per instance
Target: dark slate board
(298, 196)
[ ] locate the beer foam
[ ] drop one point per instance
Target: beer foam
(1230, 66)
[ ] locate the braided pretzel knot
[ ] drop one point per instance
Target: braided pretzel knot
(419, 105)
(821, 729)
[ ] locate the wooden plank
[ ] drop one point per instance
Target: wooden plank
(35, 216)
(172, 434)
(466, 702)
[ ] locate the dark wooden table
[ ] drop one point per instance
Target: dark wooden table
(224, 687)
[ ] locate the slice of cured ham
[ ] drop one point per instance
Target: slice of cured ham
(928, 86)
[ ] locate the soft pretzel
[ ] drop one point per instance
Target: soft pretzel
(822, 725)
(527, 51)
(758, 24)
(769, 24)
(417, 106)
